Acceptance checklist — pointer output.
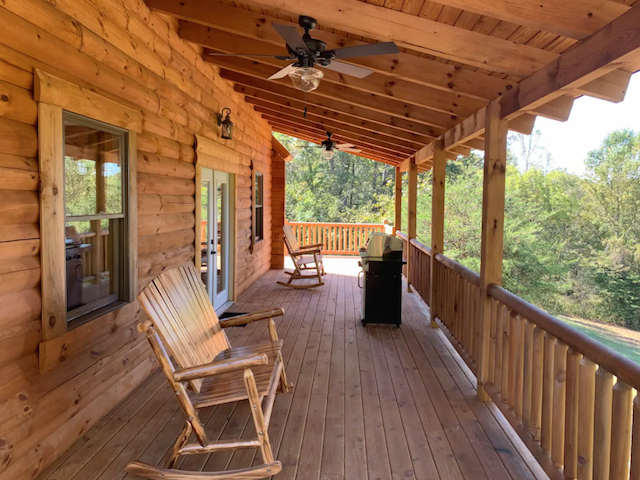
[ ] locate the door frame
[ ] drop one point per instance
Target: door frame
(232, 222)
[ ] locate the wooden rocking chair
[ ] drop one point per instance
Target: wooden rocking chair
(184, 326)
(305, 257)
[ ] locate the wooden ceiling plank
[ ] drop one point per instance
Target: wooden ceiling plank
(330, 123)
(281, 94)
(575, 19)
(403, 66)
(346, 95)
(409, 31)
(357, 140)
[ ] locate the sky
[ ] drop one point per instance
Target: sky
(590, 122)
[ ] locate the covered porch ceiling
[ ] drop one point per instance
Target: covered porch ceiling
(455, 57)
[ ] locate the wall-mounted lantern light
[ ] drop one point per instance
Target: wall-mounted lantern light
(226, 124)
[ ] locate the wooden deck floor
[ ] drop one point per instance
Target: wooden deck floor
(368, 403)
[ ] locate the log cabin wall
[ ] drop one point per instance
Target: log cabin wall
(122, 50)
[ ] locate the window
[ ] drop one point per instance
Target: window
(96, 224)
(258, 207)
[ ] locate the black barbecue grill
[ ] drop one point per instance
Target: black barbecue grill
(381, 262)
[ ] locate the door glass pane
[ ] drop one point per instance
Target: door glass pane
(204, 235)
(221, 245)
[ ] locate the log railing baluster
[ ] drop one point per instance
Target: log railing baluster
(586, 408)
(602, 425)
(621, 431)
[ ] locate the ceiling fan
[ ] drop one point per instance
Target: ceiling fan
(308, 52)
(328, 147)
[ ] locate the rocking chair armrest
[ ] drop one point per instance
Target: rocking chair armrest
(220, 366)
(251, 317)
(302, 253)
(312, 246)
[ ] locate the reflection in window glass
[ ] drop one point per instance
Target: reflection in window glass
(259, 209)
(95, 228)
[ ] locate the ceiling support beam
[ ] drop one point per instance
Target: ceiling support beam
(297, 108)
(333, 125)
(307, 137)
(417, 33)
(340, 92)
(315, 129)
(357, 140)
(380, 84)
(615, 46)
(270, 91)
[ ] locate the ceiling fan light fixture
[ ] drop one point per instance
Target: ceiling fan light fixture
(306, 78)
(327, 154)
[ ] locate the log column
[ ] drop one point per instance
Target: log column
(437, 221)
(495, 166)
(411, 220)
(397, 220)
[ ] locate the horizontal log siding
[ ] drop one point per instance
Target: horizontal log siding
(122, 50)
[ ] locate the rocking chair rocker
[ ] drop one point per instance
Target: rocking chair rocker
(305, 257)
(182, 324)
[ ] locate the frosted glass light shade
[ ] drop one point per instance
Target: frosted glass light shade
(306, 78)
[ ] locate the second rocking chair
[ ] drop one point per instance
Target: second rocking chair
(304, 258)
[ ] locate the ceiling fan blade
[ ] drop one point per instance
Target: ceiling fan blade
(345, 145)
(216, 54)
(347, 69)
(282, 73)
(384, 48)
(291, 36)
(350, 150)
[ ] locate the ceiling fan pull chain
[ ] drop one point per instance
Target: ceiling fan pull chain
(304, 115)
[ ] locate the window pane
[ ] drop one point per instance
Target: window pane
(95, 224)
(204, 238)
(221, 245)
(93, 173)
(90, 262)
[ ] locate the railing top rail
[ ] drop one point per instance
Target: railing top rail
(320, 224)
(469, 275)
(625, 369)
(420, 246)
(401, 235)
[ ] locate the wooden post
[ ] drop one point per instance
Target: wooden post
(51, 158)
(411, 220)
(437, 222)
(397, 219)
(495, 166)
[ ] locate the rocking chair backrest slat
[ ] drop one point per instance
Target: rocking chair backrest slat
(178, 305)
(290, 239)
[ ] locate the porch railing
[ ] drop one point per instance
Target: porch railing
(337, 238)
(570, 398)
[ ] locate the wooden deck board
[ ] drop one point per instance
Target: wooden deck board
(368, 403)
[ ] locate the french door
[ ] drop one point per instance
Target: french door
(217, 236)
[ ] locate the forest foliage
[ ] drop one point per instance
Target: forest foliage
(571, 244)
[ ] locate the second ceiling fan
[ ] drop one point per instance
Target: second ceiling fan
(308, 52)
